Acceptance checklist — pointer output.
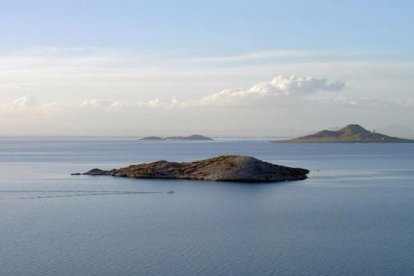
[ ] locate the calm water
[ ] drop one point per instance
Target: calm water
(353, 216)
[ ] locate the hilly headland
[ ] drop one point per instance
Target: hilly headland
(352, 133)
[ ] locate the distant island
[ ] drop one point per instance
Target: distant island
(221, 168)
(194, 137)
(352, 133)
(153, 138)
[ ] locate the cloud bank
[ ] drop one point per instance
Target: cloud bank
(281, 91)
(92, 91)
(279, 86)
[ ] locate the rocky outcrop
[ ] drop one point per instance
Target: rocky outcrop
(350, 134)
(222, 168)
(194, 137)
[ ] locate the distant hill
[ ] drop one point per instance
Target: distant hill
(350, 134)
(153, 138)
(194, 137)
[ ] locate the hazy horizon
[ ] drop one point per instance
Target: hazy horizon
(139, 68)
(402, 132)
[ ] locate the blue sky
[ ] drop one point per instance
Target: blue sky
(209, 27)
(213, 67)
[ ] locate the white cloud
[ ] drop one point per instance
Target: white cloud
(157, 103)
(97, 103)
(24, 103)
(280, 85)
(115, 105)
(28, 106)
(294, 85)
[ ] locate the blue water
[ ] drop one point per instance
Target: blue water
(353, 216)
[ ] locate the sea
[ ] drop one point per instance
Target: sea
(354, 215)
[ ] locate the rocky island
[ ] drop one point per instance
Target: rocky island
(222, 168)
(194, 137)
(352, 133)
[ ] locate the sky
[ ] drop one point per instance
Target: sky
(219, 68)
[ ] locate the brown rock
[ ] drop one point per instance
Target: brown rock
(222, 168)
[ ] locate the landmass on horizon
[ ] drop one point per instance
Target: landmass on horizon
(194, 137)
(230, 168)
(352, 133)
